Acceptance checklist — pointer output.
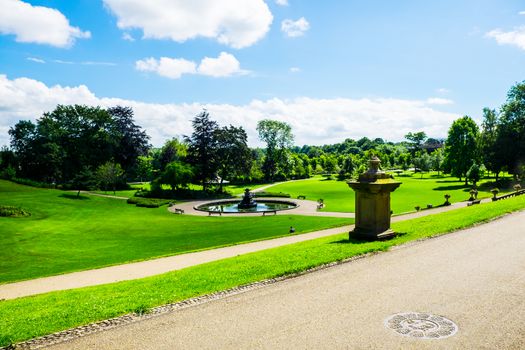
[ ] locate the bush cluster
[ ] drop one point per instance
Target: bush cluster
(13, 212)
(148, 202)
(263, 194)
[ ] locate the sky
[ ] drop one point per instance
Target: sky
(333, 69)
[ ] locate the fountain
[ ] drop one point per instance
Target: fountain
(247, 200)
(247, 205)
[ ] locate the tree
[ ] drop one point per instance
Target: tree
(510, 141)
(437, 159)
(488, 147)
(84, 180)
(173, 150)
(234, 155)
(423, 162)
(278, 137)
(132, 141)
(461, 150)
(176, 175)
(71, 137)
(474, 174)
(109, 175)
(416, 141)
(202, 151)
(145, 168)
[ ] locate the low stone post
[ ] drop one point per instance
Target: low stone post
(372, 203)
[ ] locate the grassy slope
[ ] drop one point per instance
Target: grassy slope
(232, 189)
(67, 234)
(29, 317)
(414, 191)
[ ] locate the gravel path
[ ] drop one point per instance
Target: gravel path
(475, 278)
(153, 267)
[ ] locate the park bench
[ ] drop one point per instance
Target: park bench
(270, 211)
(475, 201)
(301, 197)
(179, 211)
(214, 212)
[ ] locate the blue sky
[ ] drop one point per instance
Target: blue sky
(332, 69)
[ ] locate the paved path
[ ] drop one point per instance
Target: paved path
(305, 207)
(161, 265)
(474, 277)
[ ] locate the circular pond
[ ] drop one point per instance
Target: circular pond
(232, 207)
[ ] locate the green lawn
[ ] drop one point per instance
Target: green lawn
(66, 234)
(414, 191)
(29, 317)
(233, 189)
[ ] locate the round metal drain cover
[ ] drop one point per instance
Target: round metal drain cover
(421, 325)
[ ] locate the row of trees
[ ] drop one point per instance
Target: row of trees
(498, 146)
(75, 139)
(76, 144)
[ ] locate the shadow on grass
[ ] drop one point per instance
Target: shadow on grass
(453, 188)
(363, 241)
(73, 196)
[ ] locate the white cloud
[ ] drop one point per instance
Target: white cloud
(442, 91)
(294, 29)
(295, 69)
(127, 37)
(37, 24)
(35, 59)
(237, 23)
(521, 13)
(223, 66)
(282, 2)
(172, 68)
(439, 101)
(314, 121)
(515, 37)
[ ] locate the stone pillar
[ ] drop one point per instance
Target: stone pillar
(372, 203)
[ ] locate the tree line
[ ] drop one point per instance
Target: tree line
(82, 147)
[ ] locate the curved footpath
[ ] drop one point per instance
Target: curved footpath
(474, 277)
(161, 265)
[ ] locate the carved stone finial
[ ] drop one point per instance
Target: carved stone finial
(374, 164)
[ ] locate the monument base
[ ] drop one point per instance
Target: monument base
(370, 235)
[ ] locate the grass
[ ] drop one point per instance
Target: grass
(29, 317)
(65, 233)
(234, 190)
(414, 191)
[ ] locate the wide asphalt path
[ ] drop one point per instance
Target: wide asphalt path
(474, 277)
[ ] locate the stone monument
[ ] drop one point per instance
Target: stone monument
(372, 203)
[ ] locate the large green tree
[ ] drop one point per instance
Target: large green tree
(461, 147)
(488, 138)
(72, 137)
(202, 151)
(510, 142)
(234, 155)
(279, 138)
(176, 174)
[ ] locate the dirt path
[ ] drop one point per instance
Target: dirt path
(475, 278)
(153, 267)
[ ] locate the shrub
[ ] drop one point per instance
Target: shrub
(271, 194)
(13, 212)
(148, 202)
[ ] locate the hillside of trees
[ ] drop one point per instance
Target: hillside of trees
(83, 147)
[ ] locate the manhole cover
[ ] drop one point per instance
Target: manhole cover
(421, 325)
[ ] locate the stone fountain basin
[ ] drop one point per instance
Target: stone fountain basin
(230, 206)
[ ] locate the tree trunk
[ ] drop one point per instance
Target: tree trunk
(220, 185)
(78, 194)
